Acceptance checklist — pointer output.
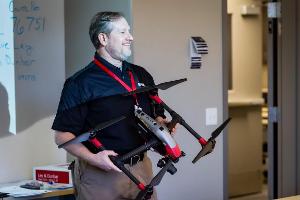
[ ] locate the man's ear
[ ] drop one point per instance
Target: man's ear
(102, 37)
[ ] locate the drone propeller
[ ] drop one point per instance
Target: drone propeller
(162, 86)
(210, 145)
(85, 136)
(220, 129)
(154, 182)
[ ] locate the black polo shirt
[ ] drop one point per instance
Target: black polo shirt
(91, 96)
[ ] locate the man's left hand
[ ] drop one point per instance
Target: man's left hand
(165, 122)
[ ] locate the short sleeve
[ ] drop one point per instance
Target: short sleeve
(72, 109)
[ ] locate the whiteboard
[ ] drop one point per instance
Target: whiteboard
(35, 31)
(7, 71)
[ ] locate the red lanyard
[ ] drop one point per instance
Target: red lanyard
(114, 76)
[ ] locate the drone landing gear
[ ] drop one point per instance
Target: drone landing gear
(166, 163)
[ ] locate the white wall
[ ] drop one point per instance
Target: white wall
(39, 75)
(161, 31)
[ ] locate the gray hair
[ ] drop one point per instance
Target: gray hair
(101, 23)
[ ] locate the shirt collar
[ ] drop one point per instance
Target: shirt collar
(125, 65)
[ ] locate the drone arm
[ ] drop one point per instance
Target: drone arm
(141, 149)
(147, 193)
(97, 143)
(201, 140)
(121, 166)
(176, 118)
(118, 162)
(157, 179)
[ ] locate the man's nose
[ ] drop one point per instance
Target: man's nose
(130, 38)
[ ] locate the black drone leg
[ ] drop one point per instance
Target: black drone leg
(149, 193)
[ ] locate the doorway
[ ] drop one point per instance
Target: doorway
(247, 99)
(283, 46)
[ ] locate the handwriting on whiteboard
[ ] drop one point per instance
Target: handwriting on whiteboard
(27, 20)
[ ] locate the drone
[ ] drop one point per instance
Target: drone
(159, 138)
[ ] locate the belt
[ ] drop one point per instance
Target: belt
(134, 159)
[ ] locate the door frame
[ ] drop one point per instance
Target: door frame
(225, 95)
(283, 47)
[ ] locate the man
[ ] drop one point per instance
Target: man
(91, 96)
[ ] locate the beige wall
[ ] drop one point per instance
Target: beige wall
(245, 133)
(245, 150)
(32, 147)
(161, 30)
(247, 53)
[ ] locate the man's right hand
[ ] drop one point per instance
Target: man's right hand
(102, 160)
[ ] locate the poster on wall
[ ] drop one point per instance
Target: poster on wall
(198, 47)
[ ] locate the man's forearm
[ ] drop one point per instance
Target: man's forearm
(77, 150)
(100, 160)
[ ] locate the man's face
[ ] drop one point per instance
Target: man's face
(119, 40)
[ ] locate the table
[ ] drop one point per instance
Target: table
(291, 198)
(66, 194)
